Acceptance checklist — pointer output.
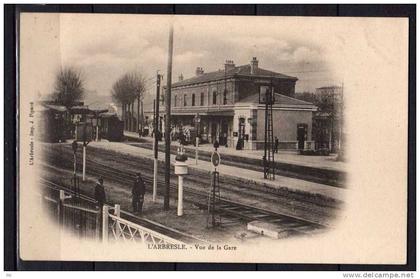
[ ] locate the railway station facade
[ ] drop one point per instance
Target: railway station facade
(225, 105)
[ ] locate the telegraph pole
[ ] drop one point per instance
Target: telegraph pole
(268, 159)
(168, 120)
(138, 128)
(156, 137)
(141, 116)
(341, 107)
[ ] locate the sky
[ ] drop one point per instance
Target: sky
(104, 47)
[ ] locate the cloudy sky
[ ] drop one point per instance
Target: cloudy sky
(106, 46)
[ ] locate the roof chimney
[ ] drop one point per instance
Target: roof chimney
(229, 65)
(180, 77)
(254, 65)
(199, 71)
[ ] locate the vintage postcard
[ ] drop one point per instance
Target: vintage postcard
(212, 138)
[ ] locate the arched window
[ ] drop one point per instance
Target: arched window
(185, 100)
(202, 99)
(193, 100)
(214, 97)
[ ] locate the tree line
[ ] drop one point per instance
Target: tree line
(69, 88)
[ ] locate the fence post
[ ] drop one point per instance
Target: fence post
(117, 210)
(105, 214)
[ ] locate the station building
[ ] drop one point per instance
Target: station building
(227, 104)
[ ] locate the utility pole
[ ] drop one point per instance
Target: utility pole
(268, 159)
(341, 107)
(168, 120)
(156, 137)
(141, 116)
(85, 143)
(197, 140)
(138, 116)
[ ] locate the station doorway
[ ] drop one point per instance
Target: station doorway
(241, 134)
(223, 135)
(213, 132)
(302, 134)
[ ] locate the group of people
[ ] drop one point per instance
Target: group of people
(137, 193)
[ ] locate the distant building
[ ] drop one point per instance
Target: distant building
(229, 108)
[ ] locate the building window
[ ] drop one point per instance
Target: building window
(214, 97)
(175, 100)
(185, 100)
(193, 100)
(202, 99)
(225, 97)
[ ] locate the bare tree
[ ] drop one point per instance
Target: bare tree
(127, 89)
(69, 86)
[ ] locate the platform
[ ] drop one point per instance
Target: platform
(284, 156)
(245, 176)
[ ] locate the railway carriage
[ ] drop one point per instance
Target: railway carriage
(111, 128)
(53, 123)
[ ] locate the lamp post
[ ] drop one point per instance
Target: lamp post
(156, 136)
(197, 123)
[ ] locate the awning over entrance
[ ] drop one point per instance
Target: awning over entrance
(204, 112)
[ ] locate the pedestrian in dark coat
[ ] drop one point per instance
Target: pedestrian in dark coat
(181, 137)
(100, 195)
(138, 194)
(276, 145)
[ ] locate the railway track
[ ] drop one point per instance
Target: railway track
(160, 228)
(331, 178)
(228, 209)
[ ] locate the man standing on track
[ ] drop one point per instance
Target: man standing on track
(138, 194)
(100, 195)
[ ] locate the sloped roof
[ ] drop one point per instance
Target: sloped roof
(80, 109)
(107, 114)
(56, 107)
(244, 70)
(280, 99)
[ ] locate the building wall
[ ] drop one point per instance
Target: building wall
(236, 90)
(207, 89)
(251, 86)
(285, 124)
(285, 87)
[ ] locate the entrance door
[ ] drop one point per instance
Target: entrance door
(213, 132)
(302, 132)
(223, 133)
(241, 134)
